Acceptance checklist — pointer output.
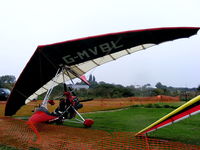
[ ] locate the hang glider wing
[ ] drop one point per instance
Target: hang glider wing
(81, 55)
(190, 108)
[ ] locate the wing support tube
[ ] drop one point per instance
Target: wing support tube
(45, 101)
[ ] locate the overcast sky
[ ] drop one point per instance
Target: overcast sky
(25, 24)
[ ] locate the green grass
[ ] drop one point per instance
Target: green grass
(161, 105)
(131, 119)
(3, 147)
(186, 131)
(135, 119)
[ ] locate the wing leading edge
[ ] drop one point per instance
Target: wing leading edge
(188, 109)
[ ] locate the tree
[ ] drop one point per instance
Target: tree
(157, 91)
(164, 88)
(198, 88)
(160, 86)
(90, 78)
(94, 79)
(146, 86)
(7, 81)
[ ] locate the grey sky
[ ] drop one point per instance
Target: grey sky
(27, 24)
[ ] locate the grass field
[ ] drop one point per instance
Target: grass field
(134, 119)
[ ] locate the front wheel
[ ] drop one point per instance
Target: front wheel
(88, 123)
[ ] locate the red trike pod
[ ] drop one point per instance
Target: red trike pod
(88, 122)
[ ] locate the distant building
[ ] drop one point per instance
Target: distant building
(79, 86)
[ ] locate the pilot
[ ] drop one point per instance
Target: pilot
(73, 101)
(64, 108)
(61, 108)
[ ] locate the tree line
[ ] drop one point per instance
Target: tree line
(107, 90)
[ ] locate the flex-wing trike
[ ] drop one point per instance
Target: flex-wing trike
(68, 106)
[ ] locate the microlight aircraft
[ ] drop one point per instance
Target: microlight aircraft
(56, 63)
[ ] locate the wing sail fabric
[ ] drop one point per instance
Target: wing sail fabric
(83, 55)
(188, 109)
(86, 66)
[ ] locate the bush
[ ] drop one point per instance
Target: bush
(166, 106)
(157, 106)
(148, 106)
